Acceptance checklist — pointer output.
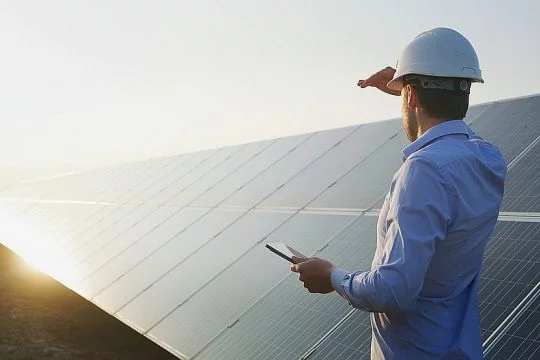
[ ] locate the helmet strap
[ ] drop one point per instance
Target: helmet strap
(441, 83)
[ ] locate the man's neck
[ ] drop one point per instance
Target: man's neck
(426, 122)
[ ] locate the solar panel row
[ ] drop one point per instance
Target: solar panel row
(174, 246)
(522, 341)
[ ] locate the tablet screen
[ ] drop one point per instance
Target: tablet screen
(284, 250)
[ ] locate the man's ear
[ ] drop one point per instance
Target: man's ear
(412, 97)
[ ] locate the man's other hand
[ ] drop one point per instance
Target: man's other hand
(315, 273)
(380, 80)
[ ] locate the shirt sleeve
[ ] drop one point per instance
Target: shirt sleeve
(418, 217)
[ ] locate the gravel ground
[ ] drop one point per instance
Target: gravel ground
(41, 319)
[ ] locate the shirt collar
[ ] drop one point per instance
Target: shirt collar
(435, 132)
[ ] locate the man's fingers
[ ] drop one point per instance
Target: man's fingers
(298, 260)
(365, 83)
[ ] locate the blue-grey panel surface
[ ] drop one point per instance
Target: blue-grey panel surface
(134, 240)
(199, 268)
(510, 271)
(522, 186)
(157, 173)
(283, 324)
(181, 168)
(368, 181)
(140, 250)
(350, 341)
(108, 248)
(511, 125)
(184, 183)
(251, 170)
(129, 174)
(352, 150)
(219, 304)
(505, 281)
(279, 173)
(111, 226)
(180, 244)
(217, 174)
(522, 341)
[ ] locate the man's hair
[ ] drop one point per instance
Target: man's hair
(441, 103)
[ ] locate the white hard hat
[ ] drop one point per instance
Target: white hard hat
(440, 52)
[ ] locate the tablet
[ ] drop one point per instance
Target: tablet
(284, 250)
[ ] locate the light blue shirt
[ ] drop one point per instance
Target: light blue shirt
(437, 217)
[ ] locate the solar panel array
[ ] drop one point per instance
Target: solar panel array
(175, 246)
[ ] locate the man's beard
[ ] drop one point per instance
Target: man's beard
(410, 125)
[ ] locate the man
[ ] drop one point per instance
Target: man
(438, 215)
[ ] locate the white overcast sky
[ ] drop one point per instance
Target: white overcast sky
(94, 82)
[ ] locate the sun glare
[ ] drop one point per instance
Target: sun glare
(38, 245)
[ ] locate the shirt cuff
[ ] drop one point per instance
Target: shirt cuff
(338, 275)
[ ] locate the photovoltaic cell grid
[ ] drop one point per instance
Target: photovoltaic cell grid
(367, 182)
(250, 171)
(171, 244)
(511, 125)
(141, 248)
(288, 320)
(345, 193)
(522, 341)
(350, 341)
(199, 320)
(510, 271)
(108, 245)
(319, 177)
(522, 187)
(279, 173)
(200, 268)
(218, 173)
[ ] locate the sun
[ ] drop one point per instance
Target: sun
(38, 244)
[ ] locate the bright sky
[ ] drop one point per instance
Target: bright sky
(90, 83)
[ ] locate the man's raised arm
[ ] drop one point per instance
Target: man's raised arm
(379, 80)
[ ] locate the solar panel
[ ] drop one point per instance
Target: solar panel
(140, 247)
(522, 186)
(161, 182)
(325, 171)
(202, 266)
(128, 180)
(218, 304)
(250, 170)
(124, 179)
(178, 245)
(350, 341)
(374, 179)
(108, 247)
(166, 166)
(217, 174)
(90, 220)
(139, 250)
(511, 125)
(121, 216)
(522, 341)
(288, 320)
(287, 167)
(475, 111)
(183, 183)
(511, 270)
